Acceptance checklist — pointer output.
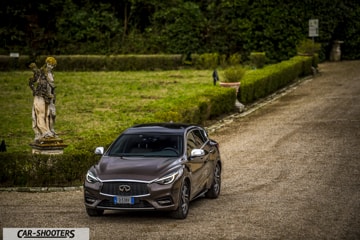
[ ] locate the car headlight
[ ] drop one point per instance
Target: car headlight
(91, 178)
(168, 179)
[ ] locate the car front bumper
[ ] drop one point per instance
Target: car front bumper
(153, 196)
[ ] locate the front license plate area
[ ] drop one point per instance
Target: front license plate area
(124, 200)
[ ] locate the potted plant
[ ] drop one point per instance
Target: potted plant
(232, 77)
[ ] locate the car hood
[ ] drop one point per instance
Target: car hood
(134, 168)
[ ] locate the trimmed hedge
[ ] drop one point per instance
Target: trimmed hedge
(263, 82)
(34, 170)
(122, 62)
(97, 62)
(198, 109)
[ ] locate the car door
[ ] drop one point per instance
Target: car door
(204, 144)
(199, 166)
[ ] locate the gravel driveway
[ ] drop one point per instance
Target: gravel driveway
(291, 171)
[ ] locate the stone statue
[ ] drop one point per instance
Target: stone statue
(43, 111)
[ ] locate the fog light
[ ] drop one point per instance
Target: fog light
(165, 201)
(89, 199)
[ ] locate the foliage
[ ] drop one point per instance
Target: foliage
(234, 73)
(99, 62)
(91, 23)
(307, 46)
(26, 169)
(350, 28)
(235, 59)
(54, 27)
(128, 62)
(262, 82)
(258, 59)
(183, 28)
(206, 61)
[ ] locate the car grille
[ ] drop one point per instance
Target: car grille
(133, 188)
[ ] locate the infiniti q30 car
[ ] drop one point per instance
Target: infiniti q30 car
(159, 167)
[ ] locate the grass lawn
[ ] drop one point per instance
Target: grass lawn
(92, 108)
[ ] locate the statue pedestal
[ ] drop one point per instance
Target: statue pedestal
(48, 146)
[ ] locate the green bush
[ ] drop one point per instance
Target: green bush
(206, 60)
(213, 60)
(97, 62)
(234, 59)
(29, 170)
(258, 59)
(197, 109)
(234, 73)
(308, 46)
(262, 82)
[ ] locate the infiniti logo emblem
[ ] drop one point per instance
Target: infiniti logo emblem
(124, 188)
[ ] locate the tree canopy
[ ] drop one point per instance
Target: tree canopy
(176, 26)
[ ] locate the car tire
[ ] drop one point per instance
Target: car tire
(184, 200)
(214, 190)
(92, 212)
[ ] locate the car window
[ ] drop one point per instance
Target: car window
(190, 143)
(147, 145)
(200, 138)
(204, 135)
(195, 139)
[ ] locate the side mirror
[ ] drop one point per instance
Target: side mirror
(197, 153)
(99, 151)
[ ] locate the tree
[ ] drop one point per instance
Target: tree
(176, 26)
(179, 28)
(93, 24)
(227, 26)
(29, 27)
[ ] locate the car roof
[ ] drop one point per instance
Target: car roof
(160, 128)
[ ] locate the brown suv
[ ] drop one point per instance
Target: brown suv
(160, 166)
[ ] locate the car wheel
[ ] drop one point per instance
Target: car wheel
(92, 212)
(183, 209)
(214, 190)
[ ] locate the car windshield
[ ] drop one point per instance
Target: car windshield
(147, 145)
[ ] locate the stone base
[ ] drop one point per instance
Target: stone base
(48, 146)
(239, 106)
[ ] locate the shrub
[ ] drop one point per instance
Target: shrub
(260, 83)
(308, 47)
(34, 170)
(234, 73)
(258, 59)
(234, 59)
(206, 61)
(212, 102)
(97, 62)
